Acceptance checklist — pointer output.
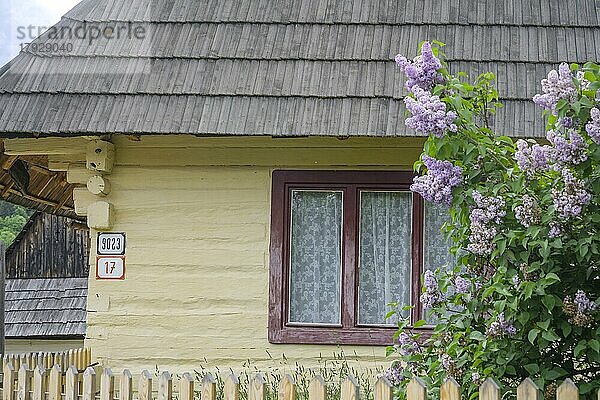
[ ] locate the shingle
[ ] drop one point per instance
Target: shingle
(191, 54)
(45, 307)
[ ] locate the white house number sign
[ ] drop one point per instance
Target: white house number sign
(110, 261)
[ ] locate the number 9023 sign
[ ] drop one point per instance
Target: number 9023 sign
(111, 244)
(110, 267)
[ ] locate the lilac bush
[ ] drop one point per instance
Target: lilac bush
(524, 219)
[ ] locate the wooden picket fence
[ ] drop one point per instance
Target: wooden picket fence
(41, 384)
(80, 358)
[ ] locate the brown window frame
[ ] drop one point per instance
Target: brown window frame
(350, 182)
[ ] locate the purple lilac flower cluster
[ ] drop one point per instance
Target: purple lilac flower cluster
(429, 113)
(583, 83)
(566, 122)
(531, 159)
(429, 116)
(558, 85)
(516, 282)
(406, 346)
(528, 212)
(422, 71)
(580, 309)
(583, 303)
(446, 361)
(501, 327)
(431, 296)
(436, 186)
(593, 126)
(567, 151)
(569, 201)
(476, 378)
(462, 285)
(555, 230)
(489, 210)
(394, 374)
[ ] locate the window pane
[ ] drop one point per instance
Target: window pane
(435, 245)
(385, 254)
(316, 257)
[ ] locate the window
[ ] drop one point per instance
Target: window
(345, 244)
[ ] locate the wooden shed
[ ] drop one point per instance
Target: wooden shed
(46, 288)
(255, 154)
(49, 246)
(45, 315)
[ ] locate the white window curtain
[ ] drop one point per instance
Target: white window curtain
(435, 245)
(385, 254)
(316, 257)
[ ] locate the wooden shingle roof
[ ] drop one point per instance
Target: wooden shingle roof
(283, 67)
(45, 307)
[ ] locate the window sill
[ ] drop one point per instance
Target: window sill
(336, 336)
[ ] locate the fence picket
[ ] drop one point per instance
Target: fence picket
(416, 390)
(528, 390)
(55, 384)
(287, 388)
(383, 389)
(39, 382)
(317, 389)
(231, 389)
(350, 389)
(450, 390)
(209, 388)
(8, 386)
(145, 386)
(70, 358)
(89, 384)
(37, 385)
(107, 385)
(186, 387)
(71, 383)
(24, 383)
(489, 390)
(80, 358)
(165, 386)
(126, 386)
(257, 389)
(567, 391)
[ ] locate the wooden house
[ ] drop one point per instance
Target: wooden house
(46, 285)
(255, 155)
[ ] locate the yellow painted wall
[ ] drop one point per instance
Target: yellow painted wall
(197, 212)
(20, 346)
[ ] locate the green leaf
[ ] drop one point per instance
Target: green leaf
(550, 336)
(544, 324)
(532, 335)
(549, 301)
(476, 335)
(532, 368)
(553, 374)
(420, 323)
(579, 348)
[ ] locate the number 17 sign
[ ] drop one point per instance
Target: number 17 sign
(110, 267)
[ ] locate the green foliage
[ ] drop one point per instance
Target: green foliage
(12, 220)
(530, 275)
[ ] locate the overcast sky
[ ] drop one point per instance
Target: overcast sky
(15, 14)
